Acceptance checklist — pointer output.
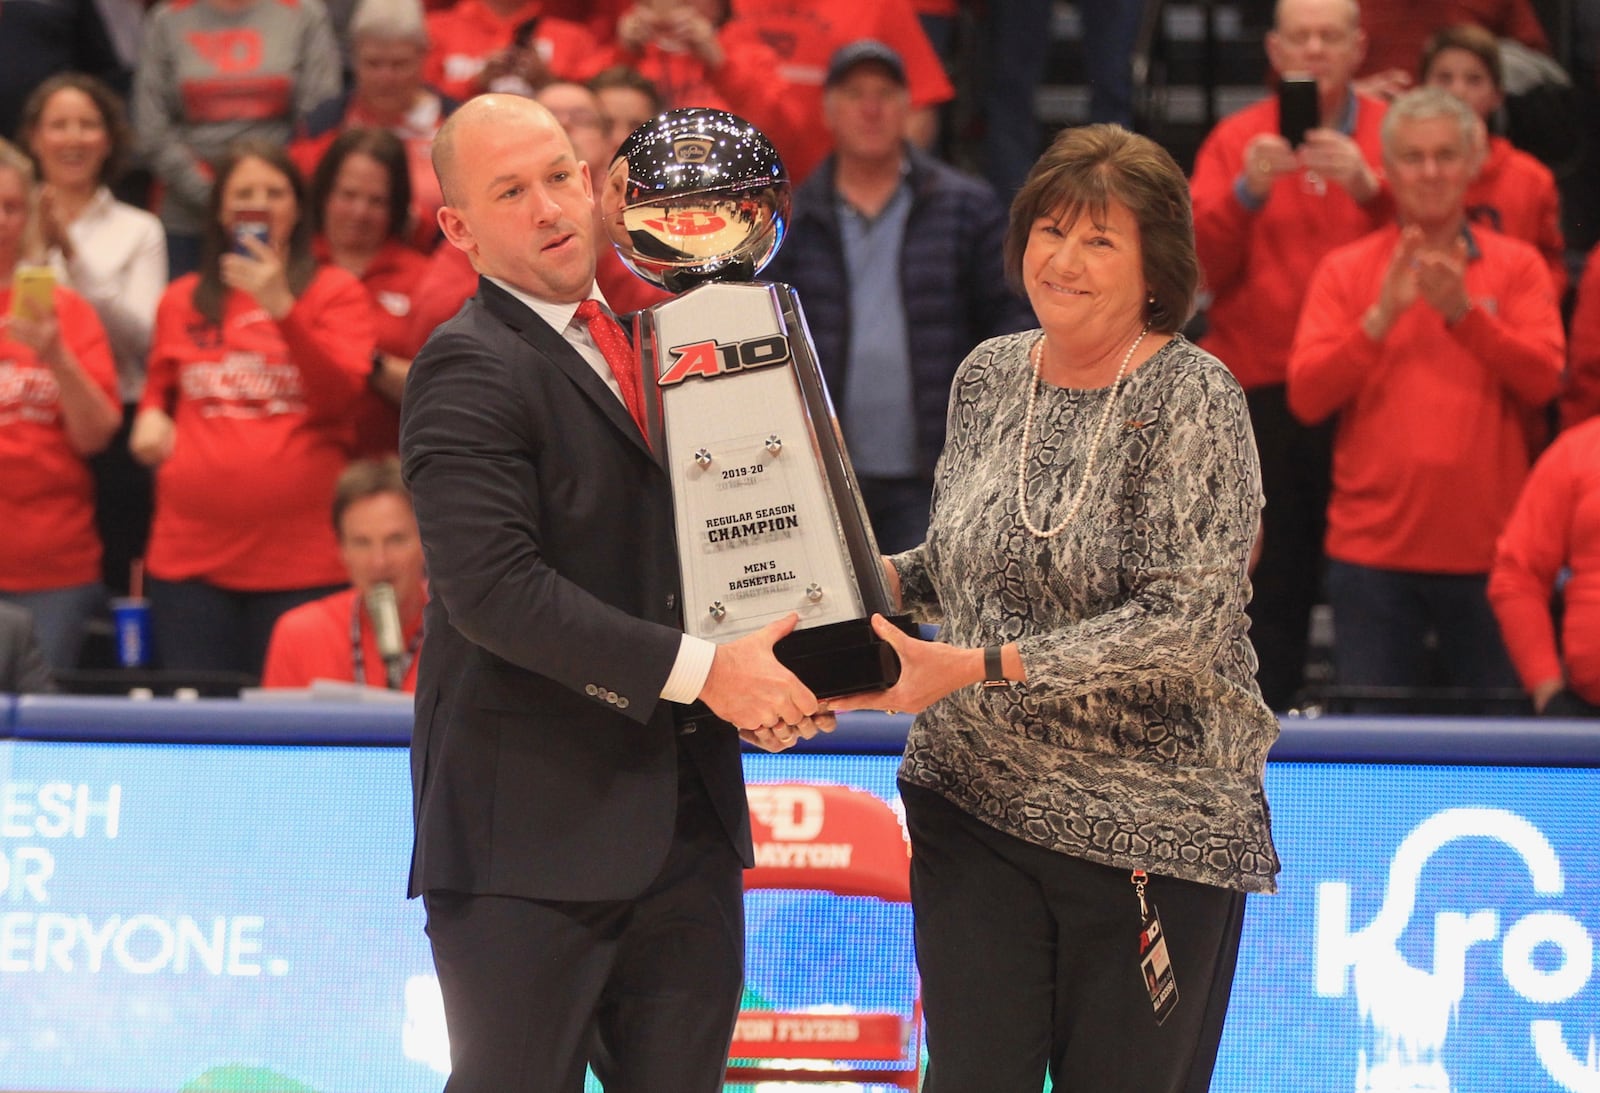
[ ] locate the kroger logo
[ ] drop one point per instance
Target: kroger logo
(1546, 957)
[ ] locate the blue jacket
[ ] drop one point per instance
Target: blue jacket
(952, 280)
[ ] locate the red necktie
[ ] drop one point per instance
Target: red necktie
(619, 355)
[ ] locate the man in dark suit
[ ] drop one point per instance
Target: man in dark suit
(579, 852)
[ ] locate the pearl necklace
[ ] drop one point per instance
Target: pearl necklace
(1036, 356)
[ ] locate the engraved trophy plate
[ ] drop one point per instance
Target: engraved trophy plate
(769, 516)
(755, 528)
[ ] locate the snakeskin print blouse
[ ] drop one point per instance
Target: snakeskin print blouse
(1140, 737)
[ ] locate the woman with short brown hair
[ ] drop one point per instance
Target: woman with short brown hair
(1091, 740)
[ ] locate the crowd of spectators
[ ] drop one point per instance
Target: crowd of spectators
(184, 399)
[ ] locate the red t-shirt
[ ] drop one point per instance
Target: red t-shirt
(805, 33)
(312, 642)
(263, 415)
(46, 493)
(1431, 446)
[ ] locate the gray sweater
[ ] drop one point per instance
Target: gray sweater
(1139, 739)
(207, 77)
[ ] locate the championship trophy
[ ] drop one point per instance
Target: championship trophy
(769, 516)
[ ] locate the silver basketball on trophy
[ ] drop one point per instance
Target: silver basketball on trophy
(696, 195)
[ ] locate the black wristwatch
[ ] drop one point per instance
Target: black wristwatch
(377, 366)
(993, 674)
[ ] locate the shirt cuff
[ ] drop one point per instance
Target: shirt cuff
(1250, 201)
(689, 671)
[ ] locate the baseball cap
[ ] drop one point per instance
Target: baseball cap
(864, 51)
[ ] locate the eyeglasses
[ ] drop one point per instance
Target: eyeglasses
(1331, 37)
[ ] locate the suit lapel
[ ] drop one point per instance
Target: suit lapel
(551, 346)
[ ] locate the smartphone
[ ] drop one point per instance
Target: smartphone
(251, 224)
(33, 290)
(1299, 108)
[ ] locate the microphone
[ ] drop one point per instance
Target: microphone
(384, 610)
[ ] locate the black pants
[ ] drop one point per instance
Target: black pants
(646, 991)
(1029, 960)
(202, 628)
(1296, 477)
(124, 495)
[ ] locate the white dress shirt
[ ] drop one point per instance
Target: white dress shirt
(119, 265)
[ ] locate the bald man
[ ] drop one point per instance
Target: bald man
(578, 850)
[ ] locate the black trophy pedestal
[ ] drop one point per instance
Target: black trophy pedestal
(843, 658)
(836, 659)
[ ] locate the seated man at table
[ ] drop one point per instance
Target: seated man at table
(370, 632)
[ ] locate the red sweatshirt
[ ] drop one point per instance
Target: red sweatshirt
(1581, 398)
(46, 493)
(463, 38)
(1516, 195)
(391, 280)
(805, 33)
(747, 83)
(1431, 446)
(449, 279)
(263, 430)
(1257, 263)
(1398, 29)
(312, 642)
(1555, 525)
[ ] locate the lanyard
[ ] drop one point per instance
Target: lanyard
(395, 672)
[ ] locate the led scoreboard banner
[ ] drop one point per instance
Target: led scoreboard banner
(211, 915)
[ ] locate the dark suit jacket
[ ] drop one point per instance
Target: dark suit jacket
(543, 763)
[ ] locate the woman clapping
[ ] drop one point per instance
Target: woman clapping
(115, 257)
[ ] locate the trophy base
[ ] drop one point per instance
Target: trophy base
(843, 658)
(834, 660)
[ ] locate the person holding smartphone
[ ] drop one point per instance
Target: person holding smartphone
(1266, 210)
(58, 407)
(255, 367)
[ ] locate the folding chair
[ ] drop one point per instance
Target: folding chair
(847, 842)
